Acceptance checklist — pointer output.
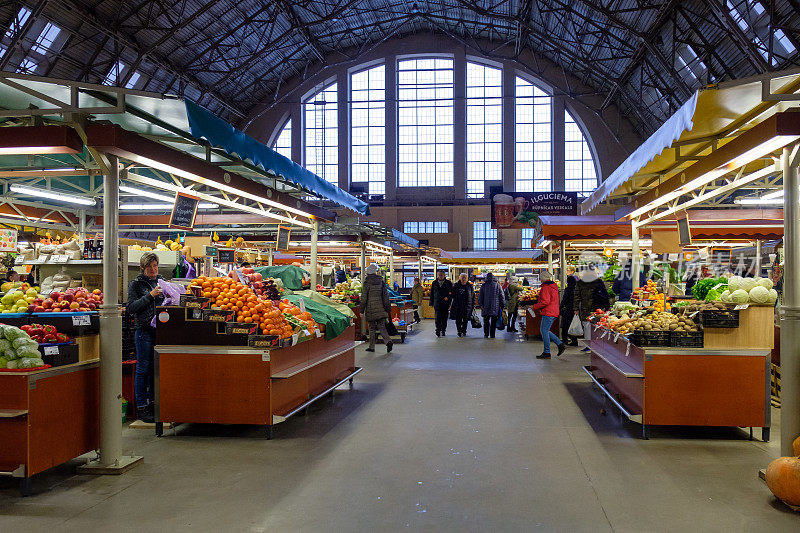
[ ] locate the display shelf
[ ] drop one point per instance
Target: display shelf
(276, 419)
(69, 262)
(316, 360)
(609, 355)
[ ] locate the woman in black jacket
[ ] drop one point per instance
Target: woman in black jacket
(463, 302)
(567, 311)
(144, 294)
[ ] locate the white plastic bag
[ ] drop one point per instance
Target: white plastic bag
(575, 327)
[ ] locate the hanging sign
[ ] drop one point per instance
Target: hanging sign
(512, 210)
(8, 240)
(184, 211)
(226, 255)
(684, 231)
(284, 232)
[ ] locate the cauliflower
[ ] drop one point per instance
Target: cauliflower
(734, 283)
(739, 296)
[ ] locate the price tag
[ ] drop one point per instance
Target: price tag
(646, 303)
(243, 280)
(41, 259)
(616, 338)
(51, 350)
(627, 349)
(59, 259)
(302, 305)
(20, 259)
(718, 285)
(81, 320)
(265, 356)
(693, 314)
(741, 307)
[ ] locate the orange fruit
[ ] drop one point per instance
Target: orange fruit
(248, 319)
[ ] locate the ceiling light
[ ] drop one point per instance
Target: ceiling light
(146, 193)
(774, 194)
(145, 207)
(759, 201)
(51, 195)
(31, 219)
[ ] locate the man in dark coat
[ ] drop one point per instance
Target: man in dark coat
(441, 289)
(567, 311)
(463, 302)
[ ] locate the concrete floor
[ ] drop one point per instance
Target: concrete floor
(441, 435)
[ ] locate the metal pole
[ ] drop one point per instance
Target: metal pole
(550, 258)
(391, 269)
(790, 323)
(363, 261)
(562, 263)
(419, 268)
(111, 459)
(757, 263)
(634, 255)
(314, 265)
(82, 225)
(270, 252)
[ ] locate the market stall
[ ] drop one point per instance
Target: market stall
(226, 356)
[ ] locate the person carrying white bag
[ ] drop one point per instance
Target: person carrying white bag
(590, 294)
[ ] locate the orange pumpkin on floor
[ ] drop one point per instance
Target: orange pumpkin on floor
(783, 479)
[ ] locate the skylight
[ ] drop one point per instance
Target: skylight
(19, 21)
(28, 66)
(44, 41)
(113, 74)
(133, 80)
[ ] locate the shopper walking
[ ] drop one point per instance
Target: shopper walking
(547, 307)
(440, 301)
(144, 294)
(512, 304)
(417, 294)
(623, 282)
(568, 311)
(375, 306)
(491, 301)
(463, 302)
(590, 294)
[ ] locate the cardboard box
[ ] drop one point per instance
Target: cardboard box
(194, 302)
(88, 346)
(241, 328)
(217, 315)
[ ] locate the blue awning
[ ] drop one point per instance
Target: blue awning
(664, 136)
(205, 125)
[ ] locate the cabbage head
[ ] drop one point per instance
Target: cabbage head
(764, 282)
(12, 333)
(734, 283)
(30, 362)
(759, 295)
(9, 354)
(725, 296)
(22, 341)
(4, 345)
(748, 284)
(3, 362)
(12, 364)
(773, 296)
(28, 351)
(739, 296)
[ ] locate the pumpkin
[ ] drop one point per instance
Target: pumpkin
(783, 479)
(796, 447)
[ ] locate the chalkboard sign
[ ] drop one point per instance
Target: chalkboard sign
(184, 211)
(283, 237)
(684, 232)
(227, 255)
(721, 256)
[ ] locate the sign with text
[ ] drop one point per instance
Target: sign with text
(184, 211)
(8, 240)
(284, 232)
(517, 210)
(227, 255)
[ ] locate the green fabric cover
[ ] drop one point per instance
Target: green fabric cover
(317, 297)
(290, 275)
(334, 321)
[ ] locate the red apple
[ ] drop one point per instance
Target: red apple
(39, 309)
(31, 308)
(55, 296)
(56, 310)
(38, 301)
(67, 296)
(258, 276)
(48, 303)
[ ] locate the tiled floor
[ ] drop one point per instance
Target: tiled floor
(440, 435)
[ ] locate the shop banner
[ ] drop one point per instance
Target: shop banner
(515, 210)
(8, 240)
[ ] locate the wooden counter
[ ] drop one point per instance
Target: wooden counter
(683, 386)
(241, 385)
(48, 417)
(533, 324)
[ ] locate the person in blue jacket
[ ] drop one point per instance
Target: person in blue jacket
(623, 283)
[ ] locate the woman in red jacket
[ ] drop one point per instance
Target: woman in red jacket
(548, 309)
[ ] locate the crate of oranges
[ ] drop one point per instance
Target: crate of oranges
(280, 320)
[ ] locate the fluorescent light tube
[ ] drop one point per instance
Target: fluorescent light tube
(146, 193)
(51, 195)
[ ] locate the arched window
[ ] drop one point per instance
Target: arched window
(283, 142)
(368, 128)
(425, 122)
(534, 109)
(322, 134)
(579, 171)
(484, 127)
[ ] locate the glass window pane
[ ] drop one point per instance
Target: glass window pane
(580, 174)
(283, 143)
(483, 236)
(367, 128)
(484, 119)
(533, 143)
(322, 134)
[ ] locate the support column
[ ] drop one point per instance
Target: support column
(635, 255)
(550, 258)
(314, 263)
(270, 253)
(343, 130)
(557, 123)
(460, 124)
(391, 269)
(363, 262)
(391, 128)
(82, 225)
(419, 268)
(111, 460)
(757, 262)
(509, 125)
(562, 263)
(790, 323)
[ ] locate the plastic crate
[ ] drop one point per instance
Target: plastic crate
(650, 338)
(59, 354)
(715, 318)
(686, 339)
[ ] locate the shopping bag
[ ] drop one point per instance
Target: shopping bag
(501, 321)
(476, 321)
(390, 327)
(575, 327)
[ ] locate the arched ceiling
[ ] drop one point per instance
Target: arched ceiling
(644, 56)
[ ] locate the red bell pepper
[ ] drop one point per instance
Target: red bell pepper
(48, 329)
